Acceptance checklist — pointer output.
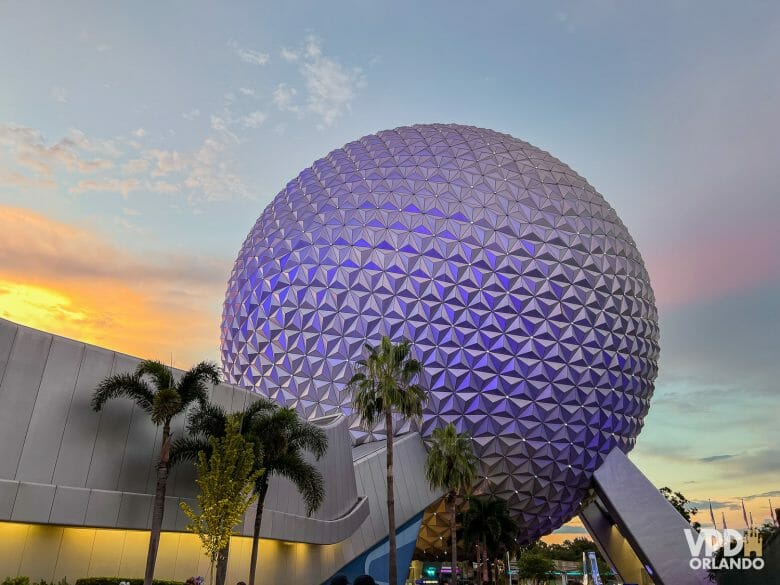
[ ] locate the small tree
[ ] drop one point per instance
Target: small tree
(226, 480)
(534, 566)
(210, 421)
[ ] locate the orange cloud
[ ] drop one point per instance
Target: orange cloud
(69, 281)
(32, 152)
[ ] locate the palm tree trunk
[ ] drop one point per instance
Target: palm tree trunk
(454, 540)
(222, 563)
(484, 561)
(256, 534)
(393, 553)
(159, 503)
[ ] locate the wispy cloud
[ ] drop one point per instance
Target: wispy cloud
(289, 55)
(221, 125)
(249, 55)
(163, 187)
(191, 114)
(130, 226)
(166, 161)
(703, 505)
(59, 94)
(210, 174)
(254, 119)
(15, 179)
(30, 150)
(284, 98)
(330, 87)
(109, 148)
(713, 458)
(136, 166)
(28, 160)
(761, 462)
(770, 494)
(122, 186)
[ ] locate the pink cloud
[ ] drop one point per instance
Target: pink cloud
(714, 266)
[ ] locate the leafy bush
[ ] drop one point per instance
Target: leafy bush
(17, 581)
(117, 581)
(62, 581)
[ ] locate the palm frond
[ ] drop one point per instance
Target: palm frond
(123, 386)
(384, 380)
(186, 449)
(306, 478)
(260, 405)
(158, 371)
(281, 439)
(167, 403)
(411, 400)
(271, 429)
(208, 419)
(309, 437)
(451, 463)
(192, 385)
(368, 404)
(357, 378)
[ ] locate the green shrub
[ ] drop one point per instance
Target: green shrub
(17, 581)
(116, 581)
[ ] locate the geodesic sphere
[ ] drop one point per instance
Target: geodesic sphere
(525, 297)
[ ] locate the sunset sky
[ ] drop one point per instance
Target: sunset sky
(138, 144)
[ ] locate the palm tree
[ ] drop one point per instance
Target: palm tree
(208, 422)
(452, 466)
(154, 389)
(383, 385)
(284, 438)
(487, 523)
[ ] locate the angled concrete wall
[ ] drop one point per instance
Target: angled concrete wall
(61, 463)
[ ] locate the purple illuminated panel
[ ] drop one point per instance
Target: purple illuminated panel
(522, 290)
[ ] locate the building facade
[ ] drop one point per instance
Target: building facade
(76, 486)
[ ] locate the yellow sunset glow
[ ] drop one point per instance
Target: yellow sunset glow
(107, 315)
(71, 282)
(36, 306)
